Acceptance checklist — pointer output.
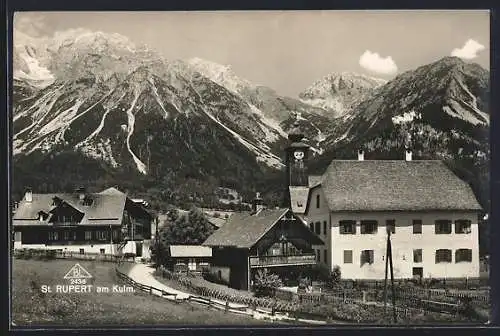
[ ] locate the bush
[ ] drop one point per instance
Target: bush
(265, 283)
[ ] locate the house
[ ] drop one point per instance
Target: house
(194, 258)
(106, 222)
(264, 238)
(433, 215)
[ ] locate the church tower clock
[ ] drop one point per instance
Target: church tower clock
(296, 156)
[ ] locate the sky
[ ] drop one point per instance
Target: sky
(289, 50)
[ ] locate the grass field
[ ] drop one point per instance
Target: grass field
(32, 307)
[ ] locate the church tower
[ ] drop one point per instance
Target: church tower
(296, 156)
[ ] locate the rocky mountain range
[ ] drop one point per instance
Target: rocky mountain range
(94, 108)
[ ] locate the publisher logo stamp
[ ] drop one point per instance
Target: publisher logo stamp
(78, 278)
(78, 275)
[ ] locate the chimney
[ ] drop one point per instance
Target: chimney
(81, 193)
(257, 204)
(408, 155)
(361, 155)
(29, 195)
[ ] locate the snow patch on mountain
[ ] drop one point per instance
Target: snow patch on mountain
(131, 121)
(38, 75)
(101, 150)
(220, 74)
(270, 126)
(157, 97)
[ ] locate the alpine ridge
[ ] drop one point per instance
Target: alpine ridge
(96, 100)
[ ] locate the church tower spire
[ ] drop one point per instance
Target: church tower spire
(296, 156)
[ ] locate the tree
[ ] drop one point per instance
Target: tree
(189, 229)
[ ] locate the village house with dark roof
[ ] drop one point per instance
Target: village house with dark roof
(432, 214)
(107, 222)
(276, 239)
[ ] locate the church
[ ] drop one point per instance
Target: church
(432, 214)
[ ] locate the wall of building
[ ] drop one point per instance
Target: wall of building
(320, 214)
(94, 248)
(222, 273)
(404, 241)
(130, 247)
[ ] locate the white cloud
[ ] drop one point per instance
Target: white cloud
(469, 50)
(372, 61)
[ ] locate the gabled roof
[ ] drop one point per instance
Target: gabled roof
(190, 251)
(243, 230)
(218, 222)
(106, 209)
(298, 198)
(390, 185)
(314, 180)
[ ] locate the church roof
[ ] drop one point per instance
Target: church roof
(395, 185)
(314, 180)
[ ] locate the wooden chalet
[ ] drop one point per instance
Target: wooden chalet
(106, 222)
(276, 239)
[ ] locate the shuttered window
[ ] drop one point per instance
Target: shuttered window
(347, 256)
(463, 255)
(347, 227)
(367, 257)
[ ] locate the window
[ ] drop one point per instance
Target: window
(82, 251)
(102, 251)
(53, 235)
(462, 226)
(88, 235)
(443, 256)
(318, 255)
(443, 226)
(325, 256)
(74, 235)
(317, 228)
(102, 235)
(66, 235)
(347, 256)
(317, 201)
(417, 226)
(347, 227)
(324, 228)
(417, 255)
(115, 234)
(369, 226)
(311, 227)
(367, 257)
(391, 225)
(463, 255)
(418, 272)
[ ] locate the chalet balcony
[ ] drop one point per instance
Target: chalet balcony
(61, 224)
(283, 260)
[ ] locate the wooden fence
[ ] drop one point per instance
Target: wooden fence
(54, 254)
(286, 301)
(216, 300)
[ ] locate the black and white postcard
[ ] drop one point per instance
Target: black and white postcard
(263, 168)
